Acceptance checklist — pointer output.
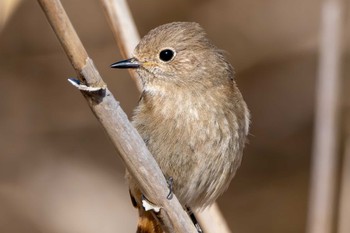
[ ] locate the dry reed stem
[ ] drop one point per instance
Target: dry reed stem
(7, 8)
(212, 221)
(124, 30)
(344, 199)
(326, 133)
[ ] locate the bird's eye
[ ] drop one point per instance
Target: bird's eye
(166, 55)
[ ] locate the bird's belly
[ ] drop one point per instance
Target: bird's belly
(201, 160)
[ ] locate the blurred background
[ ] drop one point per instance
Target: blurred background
(60, 173)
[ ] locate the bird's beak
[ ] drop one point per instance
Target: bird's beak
(132, 63)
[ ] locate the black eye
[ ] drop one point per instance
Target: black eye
(166, 55)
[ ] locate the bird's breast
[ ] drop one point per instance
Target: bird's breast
(194, 142)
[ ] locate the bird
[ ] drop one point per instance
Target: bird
(191, 115)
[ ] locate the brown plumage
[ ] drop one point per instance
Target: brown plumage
(147, 223)
(191, 114)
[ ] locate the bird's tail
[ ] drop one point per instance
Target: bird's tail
(147, 223)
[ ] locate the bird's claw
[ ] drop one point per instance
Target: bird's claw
(170, 182)
(147, 205)
(78, 84)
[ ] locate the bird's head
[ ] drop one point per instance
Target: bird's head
(177, 53)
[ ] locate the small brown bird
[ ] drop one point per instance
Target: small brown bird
(191, 114)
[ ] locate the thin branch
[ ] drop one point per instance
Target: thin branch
(326, 142)
(7, 8)
(125, 33)
(344, 202)
(124, 30)
(211, 220)
(125, 138)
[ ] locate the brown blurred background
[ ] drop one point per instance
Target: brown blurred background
(58, 170)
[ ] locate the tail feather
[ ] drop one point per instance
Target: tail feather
(148, 223)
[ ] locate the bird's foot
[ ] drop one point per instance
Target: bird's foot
(78, 84)
(147, 205)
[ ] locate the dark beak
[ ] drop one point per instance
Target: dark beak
(125, 64)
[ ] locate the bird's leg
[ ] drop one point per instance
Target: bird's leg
(194, 220)
(147, 205)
